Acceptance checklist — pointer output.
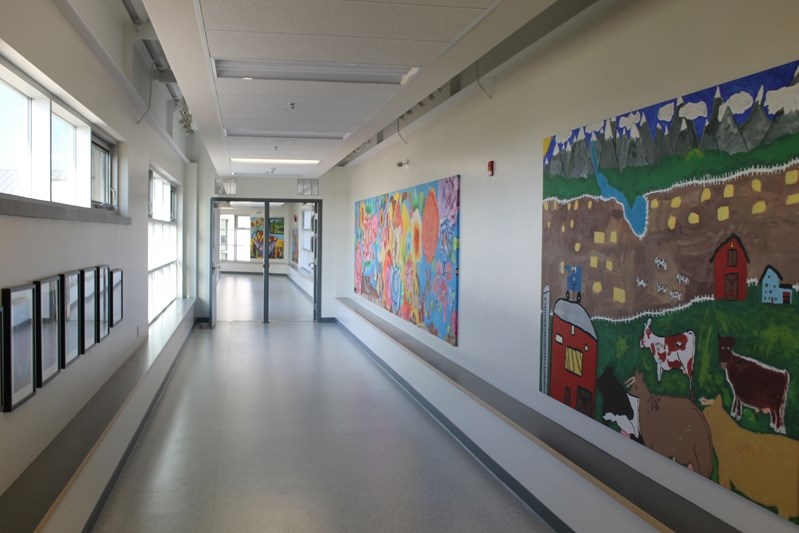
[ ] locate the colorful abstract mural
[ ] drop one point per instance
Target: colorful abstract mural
(669, 280)
(277, 231)
(295, 246)
(406, 254)
(256, 237)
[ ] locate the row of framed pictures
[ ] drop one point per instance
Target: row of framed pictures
(47, 324)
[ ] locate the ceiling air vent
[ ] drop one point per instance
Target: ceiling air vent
(308, 187)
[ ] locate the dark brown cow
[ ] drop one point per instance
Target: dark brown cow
(754, 384)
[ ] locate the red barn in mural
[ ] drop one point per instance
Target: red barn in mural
(574, 351)
(730, 267)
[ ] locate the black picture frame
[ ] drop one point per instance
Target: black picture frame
(103, 302)
(117, 308)
(89, 309)
(19, 346)
(71, 314)
(49, 329)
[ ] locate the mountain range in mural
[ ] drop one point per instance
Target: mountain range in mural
(738, 117)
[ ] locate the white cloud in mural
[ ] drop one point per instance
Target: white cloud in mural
(596, 126)
(666, 112)
(627, 121)
(738, 103)
(563, 138)
(786, 99)
(693, 110)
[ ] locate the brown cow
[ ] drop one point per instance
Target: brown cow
(673, 427)
(754, 384)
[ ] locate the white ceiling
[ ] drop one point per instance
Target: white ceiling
(317, 120)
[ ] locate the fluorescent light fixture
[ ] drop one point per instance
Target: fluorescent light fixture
(314, 71)
(257, 161)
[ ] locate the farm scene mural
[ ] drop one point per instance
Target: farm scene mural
(406, 254)
(670, 274)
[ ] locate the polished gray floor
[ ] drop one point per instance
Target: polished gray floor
(240, 298)
(289, 426)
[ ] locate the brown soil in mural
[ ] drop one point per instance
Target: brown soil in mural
(623, 275)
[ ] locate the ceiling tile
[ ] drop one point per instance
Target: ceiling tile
(306, 89)
(325, 17)
(375, 51)
(314, 126)
(484, 4)
(303, 110)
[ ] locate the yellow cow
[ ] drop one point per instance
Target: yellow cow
(764, 467)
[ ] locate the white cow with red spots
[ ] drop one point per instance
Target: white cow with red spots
(671, 352)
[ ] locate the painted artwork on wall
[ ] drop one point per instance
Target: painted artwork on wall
(406, 254)
(277, 232)
(256, 237)
(295, 246)
(670, 279)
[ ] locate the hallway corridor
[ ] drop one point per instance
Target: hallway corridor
(291, 427)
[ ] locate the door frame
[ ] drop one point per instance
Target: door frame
(317, 273)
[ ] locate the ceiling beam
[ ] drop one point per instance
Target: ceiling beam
(182, 37)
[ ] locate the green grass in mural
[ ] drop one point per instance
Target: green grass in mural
(764, 332)
(635, 181)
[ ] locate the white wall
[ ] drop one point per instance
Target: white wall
(59, 57)
(638, 54)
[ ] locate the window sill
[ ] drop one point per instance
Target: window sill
(17, 206)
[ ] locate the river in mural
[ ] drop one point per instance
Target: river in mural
(670, 279)
(406, 254)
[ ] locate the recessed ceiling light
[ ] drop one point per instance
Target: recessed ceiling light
(256, 160)
(247, 78)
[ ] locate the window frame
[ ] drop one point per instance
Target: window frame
(113, 174)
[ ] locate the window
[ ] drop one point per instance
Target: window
(103, 178)
(732, 257)
(46, 150)
(574, 361)
(242, 238)
(162, 246)
(14, 142)
(224, 232)
(235, 237)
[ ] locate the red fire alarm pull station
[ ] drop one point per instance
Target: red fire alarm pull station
(490, 168)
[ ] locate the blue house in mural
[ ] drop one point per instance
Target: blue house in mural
(772, 291)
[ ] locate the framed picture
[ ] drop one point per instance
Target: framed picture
(70, 316)
(89, 299)
(116, 296)
(103, 301)
(19, 345)
(49, 329)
